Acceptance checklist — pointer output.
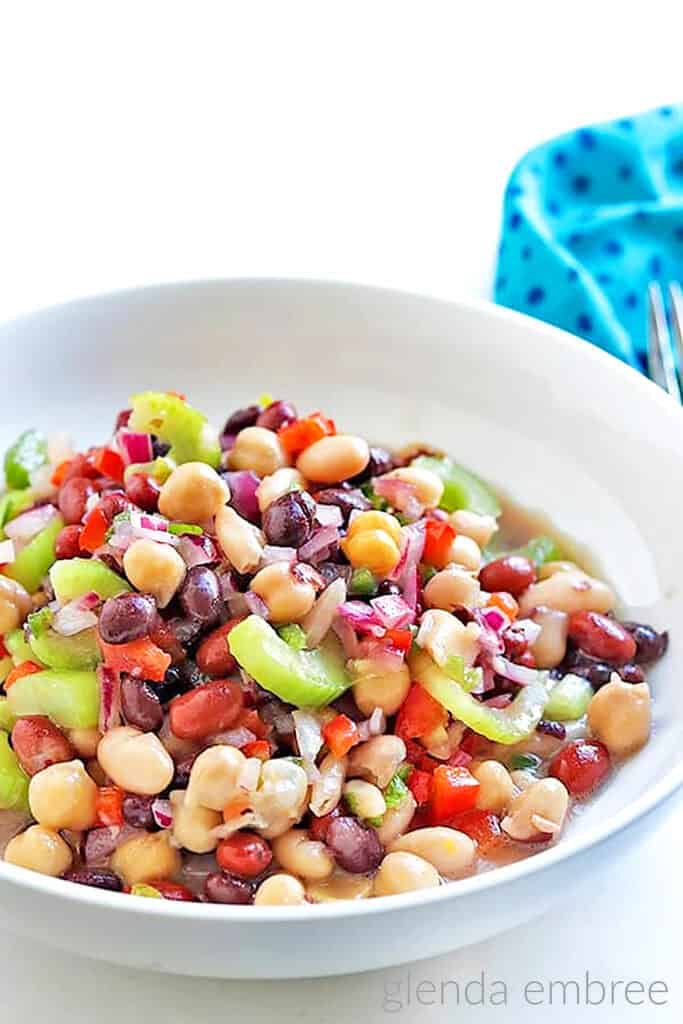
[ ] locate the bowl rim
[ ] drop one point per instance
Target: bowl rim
(543, 861)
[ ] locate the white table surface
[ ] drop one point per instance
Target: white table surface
(368, 141)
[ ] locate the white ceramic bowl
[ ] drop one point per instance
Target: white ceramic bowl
(559, 425)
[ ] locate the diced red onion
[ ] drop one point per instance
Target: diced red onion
(501, 700)
(490, 642)
(134, 447)
(243, 484)
(308, 731)
(460, 759)
(237, 737)
(318, 546)
(100, 843)
(145, 521)
(400, 495)
(197, 549)
(127, 531)
(411, 588)
(495, 619)
(362, 617)
(329, 515)
(406, 572)
(162, 812)
(272, 553)
(72, 619)
(528, 629)
(88, 602)
(392, 611)
(41, 482)
(375, 725)
(255, 604)
(319, 620)
(110, 698)
(347, 636)
(519, 674)
(7, 553)
(26, 526)
(378, 651)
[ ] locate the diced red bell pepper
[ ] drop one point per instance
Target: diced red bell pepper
(419, 714)
(257, 748)
(94, 531)
(251, 720)
(483, 827)
(108, 463)
(302, 433)
(439, 535)
(140, 658)
(418, 756)
(59, 475)
(340, 734)
(400, 639)
(453, 790)
(109, 805)
(420, 785)
(25, 668)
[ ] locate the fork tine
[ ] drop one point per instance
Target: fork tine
(660, 352)
(676, 296)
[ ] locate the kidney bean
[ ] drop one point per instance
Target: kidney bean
(288, 521)
(346, 499)
(38, 743)
(513, 573)
(213, 656)
(356, 849)
(140, 705)
(581, 766)
(548, 728)
(72, 499)
(126, 617)
(181, 779)
(143, 491)
(122, 419)
(98, 878)
(220, 887)
(173, 890)
(515, 642)
(66, 545)
(80, 466)
(244, 854)
(137, 811)
(381, 461)
(650, 645)
(163, 635)
(631, 673)
(206, 710)
(602, 637)
(200, 595)
(277, 414)
(113, 503)
(319, 826)
(242, 418)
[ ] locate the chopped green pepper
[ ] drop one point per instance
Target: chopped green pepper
(70, 699)
(522, 762)
(569, 699)
(13, 779)
(462, 489)
(18, 647)
(396, 791)
(177, 423)
(11, 504)
(142, 889)
(304, 678)
(540, 550)
(362, 584)
(377, 502)
(293, 635)
(468, 678)
(502, 725)
(73, 577)
(80, 651)
(7, 719)
(181, 528)
(28, 452)
(33, 562)
(159, 469)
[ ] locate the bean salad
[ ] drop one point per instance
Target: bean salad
(277, 665)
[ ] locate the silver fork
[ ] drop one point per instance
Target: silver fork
(663, 351)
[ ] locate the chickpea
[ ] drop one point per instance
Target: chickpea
(194, 826)
(396, 820)
(465, 552)
(376, 686)
(549, 569)
(470, 524)
(550, 646)
(258, 449)
(280, 891)
(287, 598)
(620, 715)
(402, 872)
(136, 761)
(40, 849)
(538, 812)
(215, 776)
(278, 483)
(522, 778)
(15, 604)
(568, 592)
(63, 796)
(364, 799)
(428, 487)
(452, 853)
(374, 520)
(339, 886)
(377, 759)
(155, 569)
(326, 791)
(443, 636)
(146, 857)
(333, 459)
(452, 588)
(84, 742)
(193, 493)
(297, 853)
(496, 788)
(240, 541)
(281, 798)
(372, 549)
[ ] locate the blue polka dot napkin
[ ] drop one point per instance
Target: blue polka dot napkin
(589, 220)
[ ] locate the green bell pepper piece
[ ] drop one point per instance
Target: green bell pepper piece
(28, 452)
(72, 653)
(70, 699)
(462, 489)
(13, 779)
(569, 699)
(11, 504)
(540, 550)
(33, 562)
(7, 719)
(18, 647)
(172, 419)
(293, 635)
(160, 469)
(309, 679)
(396, 791)
(502, 725)
(73, 577)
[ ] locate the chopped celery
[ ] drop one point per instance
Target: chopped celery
(159, 469)
(304, 678)
(6, 666)
(18, 647)
(468, 678)
(524, 762)
(173, 420)
(363, 584)
(180, 528)
(462, 489)
(70, 699)
(7, 719)
(502, 725)
(569, 699)
(141, 889)
(80, 651)
(13, 779)
(39, 622)
(293, 635)
(377, 502)
(540, 550)
(396, 791)
(73, 577)
(28, 452)
(11, 504)
(33, 562)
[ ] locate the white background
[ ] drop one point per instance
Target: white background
(368, 141)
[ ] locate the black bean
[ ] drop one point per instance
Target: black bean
(650, 645)
(277, 414)
(288, 521)
(178, 679)
(388, 589)
(159, 448)
(549, 728)
(185, 629)
(381, 461)
(137, 811)
(126, 617)
(598, 673)
(346, 500)
(140, 704)
(220, 887)
(356, 849)
(99, 878)
(242, 418)
(200, 596)
(631, 673)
